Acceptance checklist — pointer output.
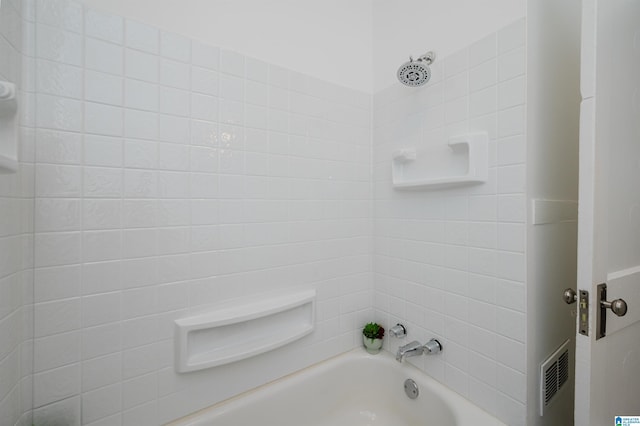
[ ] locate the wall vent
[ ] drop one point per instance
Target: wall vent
(554, 374)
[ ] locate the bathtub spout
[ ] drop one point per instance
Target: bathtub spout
(414, 348)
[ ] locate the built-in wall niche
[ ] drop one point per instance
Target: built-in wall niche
(8, 128)
(463, 161)
(242, 329)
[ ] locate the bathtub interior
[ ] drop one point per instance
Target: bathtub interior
(351, 389)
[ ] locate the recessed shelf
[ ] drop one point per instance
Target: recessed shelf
(238, 331)
(471, 149)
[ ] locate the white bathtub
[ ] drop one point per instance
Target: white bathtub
(353, 389)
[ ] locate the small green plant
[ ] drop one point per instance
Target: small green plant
(373, 331)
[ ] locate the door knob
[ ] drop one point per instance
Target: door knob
(569, 296)
(618, 306)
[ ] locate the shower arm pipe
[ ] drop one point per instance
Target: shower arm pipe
(428, 57)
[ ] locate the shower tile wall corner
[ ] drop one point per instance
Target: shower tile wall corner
(173, 175)
(451, 263)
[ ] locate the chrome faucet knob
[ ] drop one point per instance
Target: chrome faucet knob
(398, 331)
(432, 347)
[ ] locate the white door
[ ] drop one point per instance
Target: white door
(608, 369)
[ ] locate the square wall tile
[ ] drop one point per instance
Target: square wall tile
(141, 95)
(103, 88)
(139, 390)
(231, 63)
(174, 101)
(56, 317)
(56, 351)
(483, 50)
(140, 154)
(257, 70)
(204, 56)
(101, 245)
(104, 26)
(58, 147)
(174, 129)
(101, 371)
(204, 107)
(175, 74)
(483, 75)
(102, 151)
(456, 63)
(141, 66)
(102, 119)
(58, 181)
(101, 340)
(55, 214)
(59, 46)
(141, 36)
(511, 64)
(104, 57)
(102, 182)
(511, 121)
(56, 283)
(59, 79)
(102, 402)
(66, 15)
(140, 124)
(512, 93)
(60, 248)
(56, 385)
(101, 309)
(204, 81)
(512, 36)
(58, 113)
(102, 214)
(175, 47)
(67, 410)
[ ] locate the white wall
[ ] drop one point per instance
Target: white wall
(16, 243)
(450, 263)
(358, 43)
(171, 176)
(330, 40)
(553, 89)
(413, 27)
(281, 198)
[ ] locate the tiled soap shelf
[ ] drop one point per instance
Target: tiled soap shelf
(473, 146)
(8, 128)
(238, 331)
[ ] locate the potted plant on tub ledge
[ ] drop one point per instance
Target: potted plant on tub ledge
(372, 335)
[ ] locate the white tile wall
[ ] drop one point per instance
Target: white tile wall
(16, 234)
(171, 176)
(450, 263)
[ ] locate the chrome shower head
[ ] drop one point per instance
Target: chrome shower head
(416, 73)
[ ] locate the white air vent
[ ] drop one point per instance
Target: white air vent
(554, 374)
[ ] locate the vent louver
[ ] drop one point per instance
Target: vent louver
(550, 382)
(554, 374)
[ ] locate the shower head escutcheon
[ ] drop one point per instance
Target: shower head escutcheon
(416, 72)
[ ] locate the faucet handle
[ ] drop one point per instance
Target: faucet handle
(432, 347)
(398, 331)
